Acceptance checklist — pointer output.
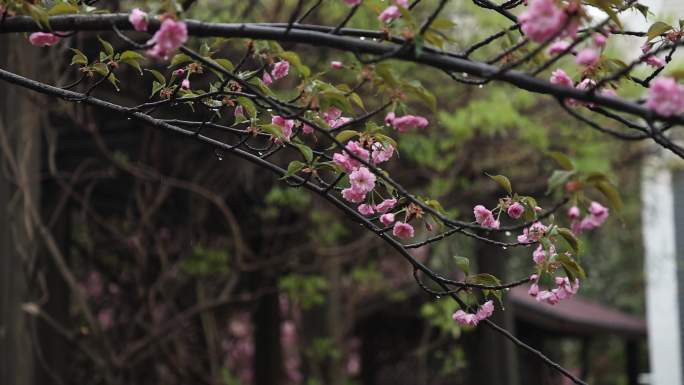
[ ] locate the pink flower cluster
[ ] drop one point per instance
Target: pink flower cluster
(533, 233)
(564, 290)
(485, 217)
(138, 19)
(539, 256)
(43, 39)
(286, 125)
(280, 70)
(596, 217)
(666, 96)
(406, 122)
(543, 20)
(393, 11)
(333, 117)
(472, 319)
(171, 35)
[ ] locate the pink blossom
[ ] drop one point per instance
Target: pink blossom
(344, 161)
(574, 212)
(548, 296)
(609, 92)
(533, 233)
(540, 255)
(286, 125)
(484, 217)
(666, 97)
(598, 212)
(171, 35)
(334, 117)
(465, 319)
(542, 20)
(390, 13)
(516, 210)
(138, 19)
(407, 122)
(179, 72)
(402, 230)
(105, 318)
(43, 39)
(185, 84)
(266, 78)
(280, 69)
(336, 65)
(307, 129)
(239, 112)
(485, 311)
(654, 61)
(561, 78)
(587, 57)
(387, 219)
(468, 319)
(534, 290)
(389, 118)
(600, 39)
(583, 85)
(353, 195)
(366, 209)
(646, 47)
(362, 179)
(558, 47)
(381, 153)
(386, 205)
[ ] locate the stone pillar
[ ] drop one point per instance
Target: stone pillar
(662, 191)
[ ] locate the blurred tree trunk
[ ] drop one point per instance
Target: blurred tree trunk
(19, 120)
(492, 359)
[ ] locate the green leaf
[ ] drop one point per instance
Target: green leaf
(562, 160)
(484, 279)
(160, 78)
(79, 57)
(62, 9)
(294, 167)
(656, 29)
(442, 23)
(156, 87)
(225, 63)
(306, 151)
(273, 129)
(132, 58)
(38, 14)
(109, 50)
(503, 182)
(346, 135)
(356, 99)
(463, 263)
(611, 193)
(558, 178)
(571, 267)
(179, 58)
(570, 238)
(248, 105)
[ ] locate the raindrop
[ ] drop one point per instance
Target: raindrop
(465, 74)
(438, 297)
(362, 38)
(508, 233)
(508, 289)
(505, 248)
(480, 86)
(128, 118)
